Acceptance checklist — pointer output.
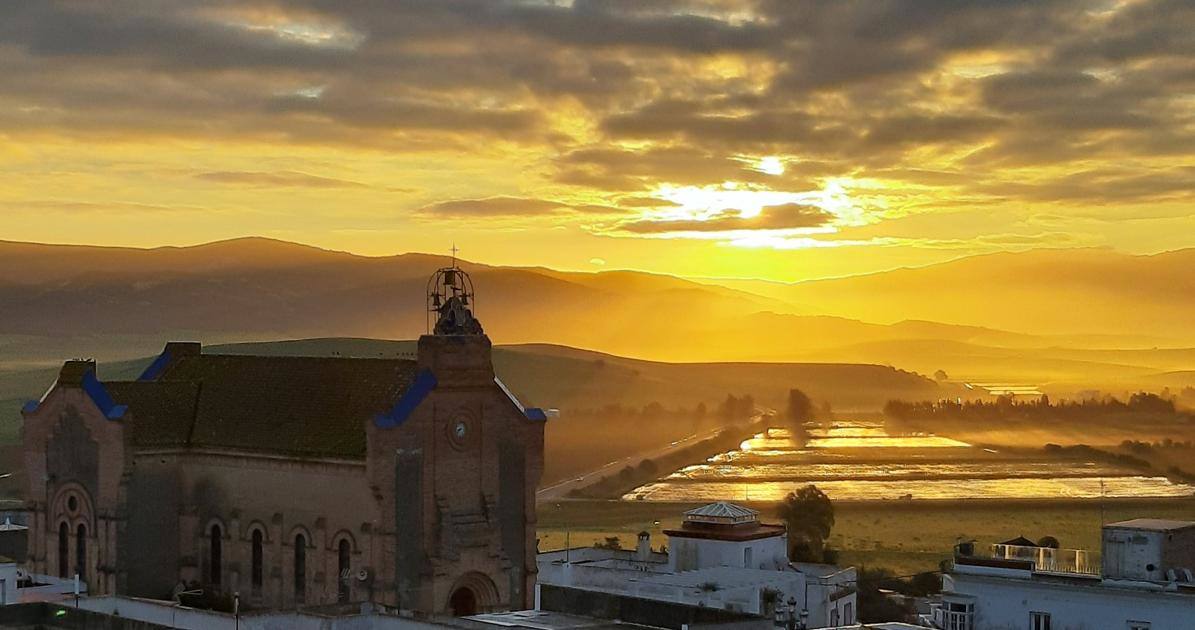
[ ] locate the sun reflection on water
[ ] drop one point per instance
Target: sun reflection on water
(862, 461)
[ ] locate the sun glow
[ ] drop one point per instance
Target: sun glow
(705, 202)
(771, 165)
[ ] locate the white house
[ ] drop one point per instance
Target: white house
(721, 558)
(1141, 580)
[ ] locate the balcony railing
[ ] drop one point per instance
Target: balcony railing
(1036, 559)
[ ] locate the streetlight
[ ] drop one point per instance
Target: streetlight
(788, 617)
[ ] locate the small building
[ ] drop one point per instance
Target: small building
(1140, 580)
(723, 565)
(726, 535)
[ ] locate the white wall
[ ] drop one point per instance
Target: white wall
(1006, 604)
(8, 583)
(1133, 554)
(737, 588)
(686, 554)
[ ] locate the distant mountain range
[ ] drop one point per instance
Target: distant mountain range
(1076, 311)
(1081, 294)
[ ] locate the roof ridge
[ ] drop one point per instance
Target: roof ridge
(305, 357)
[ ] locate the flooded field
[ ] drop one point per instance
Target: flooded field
(861, 461)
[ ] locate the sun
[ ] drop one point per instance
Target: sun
(771, 165)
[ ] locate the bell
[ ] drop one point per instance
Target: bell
(436, 300)
(464, 299)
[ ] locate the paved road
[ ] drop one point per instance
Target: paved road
(561, 489)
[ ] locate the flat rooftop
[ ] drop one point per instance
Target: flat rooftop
(544, 620)
(1152, 524)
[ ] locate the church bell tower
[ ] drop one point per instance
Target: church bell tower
(465, 464)
(456, 349)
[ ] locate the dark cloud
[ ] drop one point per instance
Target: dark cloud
(516, 207)
(95, 207)
(678, 165)
(782, 217)
(912, 129)
(492, 206)
(644, 202)
(675, 91)
(277, 179)
(1105, 186)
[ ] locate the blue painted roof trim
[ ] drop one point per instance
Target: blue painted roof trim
(155, 369)
(30, 406)
(424, 383)
(531, 413)
(99, 395)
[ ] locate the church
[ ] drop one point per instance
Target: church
(294, 481)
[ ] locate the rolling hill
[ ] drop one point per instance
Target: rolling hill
(1068, 292)
(1069, 307)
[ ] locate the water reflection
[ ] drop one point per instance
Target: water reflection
(861, 461)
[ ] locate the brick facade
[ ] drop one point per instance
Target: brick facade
(154, 489)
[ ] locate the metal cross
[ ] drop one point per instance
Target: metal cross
(454, 251)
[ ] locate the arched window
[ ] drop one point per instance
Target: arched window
(343, 552)
(300, 568)
(64, 535)
(81, 551)
(257, 560)
(217, 556)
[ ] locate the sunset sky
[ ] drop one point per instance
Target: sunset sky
(737, 138)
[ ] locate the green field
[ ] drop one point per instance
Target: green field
(906, 537)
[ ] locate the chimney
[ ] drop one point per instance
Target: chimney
(643, 548)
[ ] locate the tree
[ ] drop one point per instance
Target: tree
(653, 410)
(874, 605)
(699, 416)
(611, 542)
(941, 375)
(728, 409)
(800, 408)
(809, 516)
(746, 407)
(799, 411)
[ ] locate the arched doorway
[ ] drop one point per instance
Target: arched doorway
(473, 593)
(463, 602)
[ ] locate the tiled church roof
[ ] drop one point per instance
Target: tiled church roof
(297, 406)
